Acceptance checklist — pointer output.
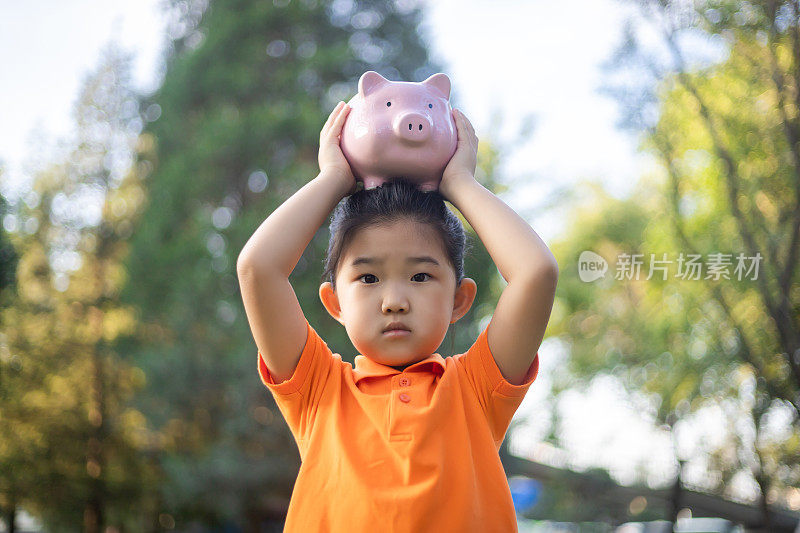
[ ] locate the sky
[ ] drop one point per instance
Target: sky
(515, 57)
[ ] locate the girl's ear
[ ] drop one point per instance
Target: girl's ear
(330, 300)
(465, 295)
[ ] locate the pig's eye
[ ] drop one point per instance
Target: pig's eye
(430, 106)
(388, 104)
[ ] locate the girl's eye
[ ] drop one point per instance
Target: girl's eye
(430, 106)
(414, 276)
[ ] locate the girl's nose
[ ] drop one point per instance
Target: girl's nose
(397, 308)
(394, 302)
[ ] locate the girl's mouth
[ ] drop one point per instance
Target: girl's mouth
(396, 333)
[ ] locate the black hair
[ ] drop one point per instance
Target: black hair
(396, 199)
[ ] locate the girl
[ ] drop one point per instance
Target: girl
(406, 440)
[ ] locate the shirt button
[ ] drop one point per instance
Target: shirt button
(404, 382)
(405, 398)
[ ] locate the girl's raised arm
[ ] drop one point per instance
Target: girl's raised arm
(518, 323)
(272, 252)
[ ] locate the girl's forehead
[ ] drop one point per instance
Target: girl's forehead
(395, 241)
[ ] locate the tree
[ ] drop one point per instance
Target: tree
(726, 138)
(8, 255)
(72, 450)
(8, 364)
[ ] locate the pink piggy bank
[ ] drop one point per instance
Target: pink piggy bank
(399, 129)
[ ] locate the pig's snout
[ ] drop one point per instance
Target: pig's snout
(413, 127)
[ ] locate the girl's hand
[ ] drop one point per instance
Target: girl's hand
(462, 165)
(331, 159)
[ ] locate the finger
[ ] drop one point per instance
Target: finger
(468, 124)
(465, 120)
(336, 128)
(332, 116)
(470, 131)
(329, 132)
(459, 123)
(466, 134)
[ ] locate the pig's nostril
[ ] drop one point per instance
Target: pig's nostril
(410, 127)
(420, 127)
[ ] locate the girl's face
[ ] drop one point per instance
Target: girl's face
(398, 272)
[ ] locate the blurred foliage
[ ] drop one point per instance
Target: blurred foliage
(73, 452)
(8, 258)
(726, 138)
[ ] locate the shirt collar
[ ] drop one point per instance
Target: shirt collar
(367, 368)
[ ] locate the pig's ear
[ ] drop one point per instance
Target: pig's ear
(369, 82)
(440, 82)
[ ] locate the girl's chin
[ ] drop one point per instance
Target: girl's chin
(393, 355)
(392, 350)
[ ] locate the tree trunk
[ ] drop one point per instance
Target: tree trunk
(94, 519)
(675, 500)
(11, 517)
(766, 520)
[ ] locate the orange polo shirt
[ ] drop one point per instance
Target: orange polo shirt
(409, 451)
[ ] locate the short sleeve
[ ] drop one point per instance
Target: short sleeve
(498, 397)
(299, 396)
